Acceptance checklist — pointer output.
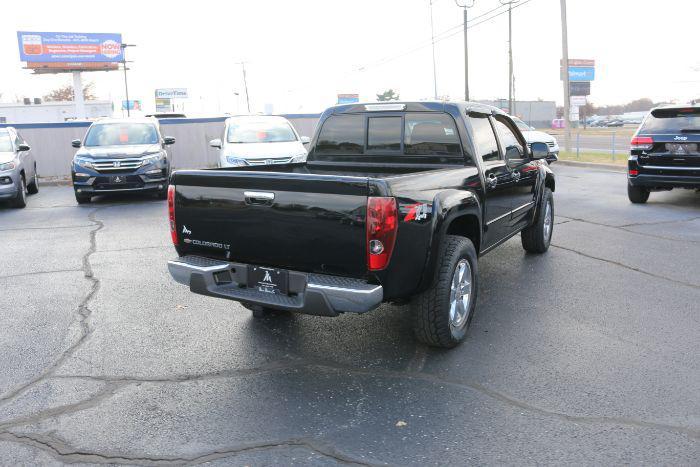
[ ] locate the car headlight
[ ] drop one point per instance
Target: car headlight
(86, 163)
(153, 158)
(7, 166)
(236, 162)
(298, 158)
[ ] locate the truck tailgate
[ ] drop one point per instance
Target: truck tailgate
(300, 221)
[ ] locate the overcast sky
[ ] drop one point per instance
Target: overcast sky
(301, 53)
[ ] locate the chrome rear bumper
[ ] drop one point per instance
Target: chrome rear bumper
(313, 294)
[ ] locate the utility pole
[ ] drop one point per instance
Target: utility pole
(126, 83)
(466, 48)
(245, 85)
(565, 71)
(511, 109)
(432, 37)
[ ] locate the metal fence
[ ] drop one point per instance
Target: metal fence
(51, 142)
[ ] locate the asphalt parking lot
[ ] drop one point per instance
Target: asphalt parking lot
(585, 355)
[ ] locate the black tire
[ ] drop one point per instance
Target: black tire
(537, 237)
(83, 199)
(20, 200)
(33, 187)
(430, 311)
(637, 194)
(162, 194)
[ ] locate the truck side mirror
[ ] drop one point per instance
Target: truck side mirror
(215, 143)
(23, 147)
(539, 150)
(168, 140)
(75, 143)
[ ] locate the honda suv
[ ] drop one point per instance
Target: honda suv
(121, 155)
(664, 152)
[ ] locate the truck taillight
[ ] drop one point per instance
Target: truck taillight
(382, 222)
(171, 213)
(642, 142)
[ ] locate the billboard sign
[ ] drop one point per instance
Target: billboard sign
(580, 88)
(163, 105)
(131, 105)
(171, 93)
(581, 73)
(69, 47)
(348, 98)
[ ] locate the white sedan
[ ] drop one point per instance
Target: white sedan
(534, 136)
(259, 140)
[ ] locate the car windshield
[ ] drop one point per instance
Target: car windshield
(118, 134)
(522, 126)
(5, 143)
(672, 121)
(260, 132)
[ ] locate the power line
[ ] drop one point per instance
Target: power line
(451, 32)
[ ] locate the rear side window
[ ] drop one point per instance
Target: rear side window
(672, 121)
(342, 134)
(431, 134)
(384, 134)
(484, 138)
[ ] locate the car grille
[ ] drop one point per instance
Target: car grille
(550, 145)
(114, 165)
(269, 161)
(127, 182)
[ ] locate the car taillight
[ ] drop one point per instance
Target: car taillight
(171, 213)
(634, 172)
(642, 142)
(382, 222)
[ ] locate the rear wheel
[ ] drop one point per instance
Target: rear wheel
(20, 200)
(637, 194)
(33, 186)
(537, 237)
(442, 314)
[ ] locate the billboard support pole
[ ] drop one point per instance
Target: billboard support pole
(78, 97)
(565, 60)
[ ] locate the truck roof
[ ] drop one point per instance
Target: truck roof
(415, 106)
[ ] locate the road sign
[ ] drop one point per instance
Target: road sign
(171, 93)
(69, 47)
(578, 100)
(581, 73)
(573, 113)
(580, 88)
(348, 98)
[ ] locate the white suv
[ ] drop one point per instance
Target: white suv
(259, 140)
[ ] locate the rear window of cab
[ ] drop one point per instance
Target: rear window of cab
(425, 137)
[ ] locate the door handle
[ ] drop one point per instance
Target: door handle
(259, 197)
(492, 181)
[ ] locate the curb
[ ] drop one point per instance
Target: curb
(594, 165)
(53, 181)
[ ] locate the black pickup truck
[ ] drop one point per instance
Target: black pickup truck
(395, 203)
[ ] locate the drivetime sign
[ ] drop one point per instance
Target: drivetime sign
(69, 47)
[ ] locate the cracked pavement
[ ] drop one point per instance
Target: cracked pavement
(585, 355)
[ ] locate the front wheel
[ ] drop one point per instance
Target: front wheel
(20, 200)
(637, 194)
(82, 199)
(537, 237)
(442, 314)
(33, 186)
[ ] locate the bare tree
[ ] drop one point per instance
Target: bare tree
(65, 93)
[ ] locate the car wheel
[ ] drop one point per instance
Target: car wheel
(33, 186)
(637, 194)
(20, 200)
(537, 237)
(442, 314)
(82, 199)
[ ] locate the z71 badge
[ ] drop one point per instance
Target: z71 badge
(415, 212)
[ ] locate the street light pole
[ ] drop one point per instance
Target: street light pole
(245, 85)
(126, 83)
(565, 71)
(466, 48)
